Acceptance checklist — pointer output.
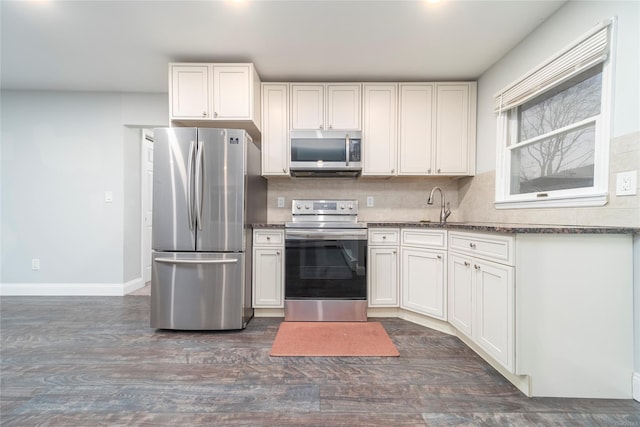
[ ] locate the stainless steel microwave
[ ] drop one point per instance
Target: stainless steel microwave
(318, 153)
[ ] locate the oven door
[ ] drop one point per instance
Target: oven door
(325, 264)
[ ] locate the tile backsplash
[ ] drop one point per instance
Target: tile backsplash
(395, 199)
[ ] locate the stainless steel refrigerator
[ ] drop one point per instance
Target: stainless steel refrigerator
(207, 190)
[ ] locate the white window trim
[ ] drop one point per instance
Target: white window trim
(595, 196)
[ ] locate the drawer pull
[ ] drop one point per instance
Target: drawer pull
(472, 245)
(384, 237)
(268, 237)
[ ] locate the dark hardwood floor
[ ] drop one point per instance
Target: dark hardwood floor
(87, 361)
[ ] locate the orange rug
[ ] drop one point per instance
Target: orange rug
(332, 339)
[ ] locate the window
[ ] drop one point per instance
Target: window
(553, 131)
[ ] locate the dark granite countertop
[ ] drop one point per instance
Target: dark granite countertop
(509, 228)
(489, 227)
(268, 225)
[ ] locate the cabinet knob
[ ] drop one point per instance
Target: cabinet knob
(204, 114)
(472, 245)
(393, 171)
(429, 170)
(384, 237)
(476, 266)
(394, 251)
(467, 263)
(330, 126)
(320, 126)
(438, 170)
(277, 252)
(215, 114)
(439, 256)
(268, 237)
(284, 170)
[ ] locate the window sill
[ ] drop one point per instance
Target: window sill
(557, 202)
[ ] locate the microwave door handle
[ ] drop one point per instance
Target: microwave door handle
(348, 149)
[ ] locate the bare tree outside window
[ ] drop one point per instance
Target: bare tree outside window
(555, 147)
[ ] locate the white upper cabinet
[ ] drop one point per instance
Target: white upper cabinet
(437, 128)
(455, 128)
(275, 129)
(416, 133)
(231, 92)
(307, 106)
(215, 95)
(320, 106)
(379, 129)
(343, 106)
(189, 91)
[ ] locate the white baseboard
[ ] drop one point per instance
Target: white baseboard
(132, 285)
(70, 289)
(636, 386)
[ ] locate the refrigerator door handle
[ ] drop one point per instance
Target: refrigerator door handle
(199, 184)
(189, 184)
(196, 261)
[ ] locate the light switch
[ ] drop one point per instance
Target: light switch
(281, 202)
(108, 196)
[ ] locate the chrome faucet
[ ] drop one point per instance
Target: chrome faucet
(444, 213)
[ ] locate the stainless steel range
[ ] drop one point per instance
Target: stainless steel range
(325, 262)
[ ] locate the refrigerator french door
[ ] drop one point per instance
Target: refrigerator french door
(198, 273)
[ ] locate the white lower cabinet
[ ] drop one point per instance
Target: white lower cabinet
(481, 298)
(422, 281)
(423, 263)
(382, 261)
(268, 268)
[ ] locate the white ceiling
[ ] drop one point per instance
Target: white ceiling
(126, 45)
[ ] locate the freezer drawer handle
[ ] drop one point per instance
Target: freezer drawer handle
(197, 261)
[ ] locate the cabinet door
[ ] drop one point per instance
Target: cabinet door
(452, 129)
(416, 109)
(494, 330)
(189, 91)
(460, 296)
(275, 129)
(343, 107)
(383, 276)
(307, 106)
(422, 281)
(379, 129)
(231, 92)
(268, 274)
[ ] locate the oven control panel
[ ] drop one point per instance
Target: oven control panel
(324, 207)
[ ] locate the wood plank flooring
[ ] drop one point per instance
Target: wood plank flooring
(87, 361)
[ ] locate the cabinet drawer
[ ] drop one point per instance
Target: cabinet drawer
(495, 248)
(268, 238)
(430, 238)
(382, 236)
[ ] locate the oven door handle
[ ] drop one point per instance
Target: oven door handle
(326, 234)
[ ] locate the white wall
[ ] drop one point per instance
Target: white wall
(60, 152)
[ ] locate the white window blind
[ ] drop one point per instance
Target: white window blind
(589, 51)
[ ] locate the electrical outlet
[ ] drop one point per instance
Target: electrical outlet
(281, 202)
(369, 201)
(35, 264)
(626, 183)
(108, 196)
